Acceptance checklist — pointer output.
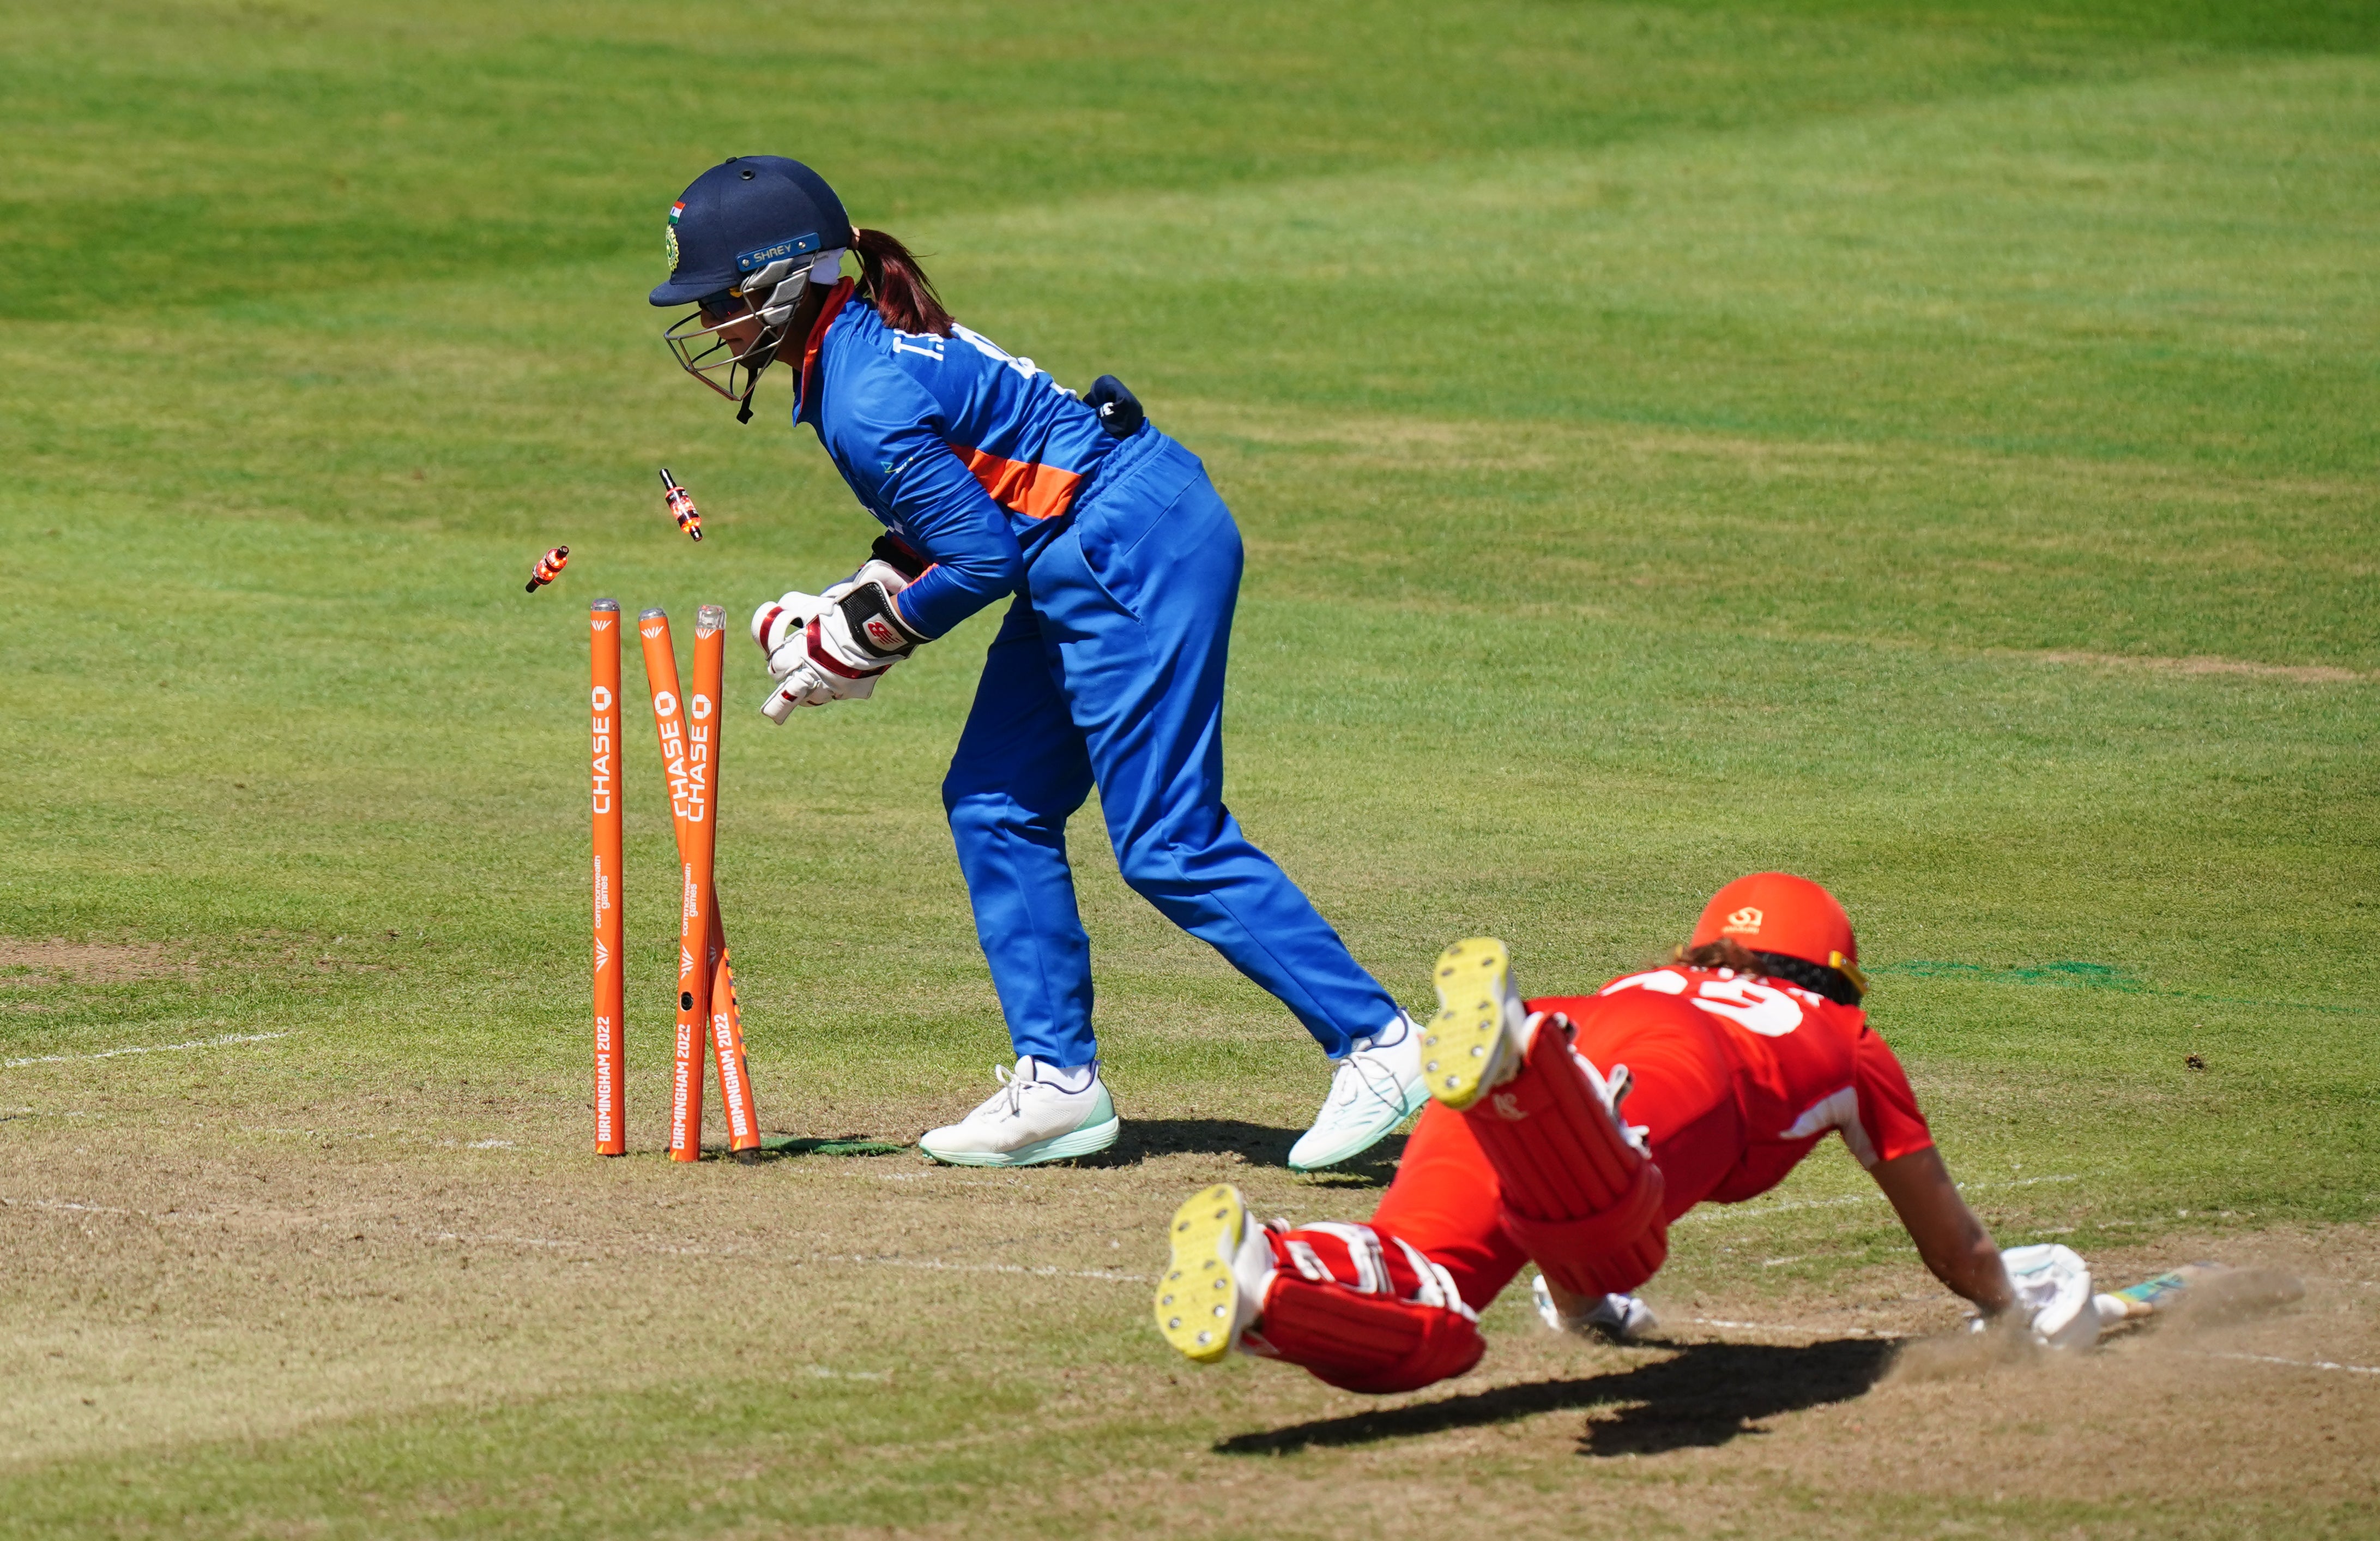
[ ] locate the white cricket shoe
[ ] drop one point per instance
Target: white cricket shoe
(1027, 1120)
(1214, 1282)
(1613, 1318)
(1377, 1087)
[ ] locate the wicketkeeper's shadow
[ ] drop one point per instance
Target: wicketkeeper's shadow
(1258, 1144)
(1707, 1394)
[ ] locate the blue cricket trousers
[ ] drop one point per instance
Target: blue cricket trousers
(1109, 670)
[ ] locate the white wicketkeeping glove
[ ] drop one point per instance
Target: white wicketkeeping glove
(2052, 1294)
(833, 646)
(783, 617)
(876, 571)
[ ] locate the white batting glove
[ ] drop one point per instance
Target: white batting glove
(1611, 1318)
(2052, 1294)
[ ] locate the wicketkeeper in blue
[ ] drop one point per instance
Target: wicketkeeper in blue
(1121, 566)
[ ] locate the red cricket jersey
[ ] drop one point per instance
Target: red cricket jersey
(1798, 1066)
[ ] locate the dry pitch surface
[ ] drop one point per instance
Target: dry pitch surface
(1925, 445)
(294, 1301)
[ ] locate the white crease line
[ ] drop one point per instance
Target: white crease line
(399, 1136)
(597, 1244)
(1864, 1332)
(2300, 1364)
(939, 1265)
(1735, 1212)
(1740, 1212)
(70, 1206)
(933, 1264)
(342, 1228)
(1793, 1326)
(590, 1243)
(145, 1048)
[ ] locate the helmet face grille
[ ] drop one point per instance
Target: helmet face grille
(704, 350)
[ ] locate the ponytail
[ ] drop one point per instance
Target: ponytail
(904, 296)
(1724, 953)
(1729, 953)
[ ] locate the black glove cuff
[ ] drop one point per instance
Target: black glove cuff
(876, 626)
(899, 554)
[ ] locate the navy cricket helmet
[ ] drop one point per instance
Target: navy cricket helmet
(742, 217)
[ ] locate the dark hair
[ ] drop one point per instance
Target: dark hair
(1729, 953)
(902, 293)
(1725, 953)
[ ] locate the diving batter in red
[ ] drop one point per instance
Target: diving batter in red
(1570, 1132)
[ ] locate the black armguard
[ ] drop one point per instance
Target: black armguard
(876, 626)
(898, 555)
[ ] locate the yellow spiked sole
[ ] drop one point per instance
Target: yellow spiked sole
(1459, 1049)
(1197, 1298)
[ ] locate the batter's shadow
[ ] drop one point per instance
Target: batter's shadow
(1708, 1394)
(1260, 1144)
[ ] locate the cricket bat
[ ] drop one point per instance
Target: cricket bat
(2203, 1283)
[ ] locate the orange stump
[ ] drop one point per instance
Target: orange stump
(726, 1023)
(687, 762)
(727, 1047)
(687, 724)
(604, 786)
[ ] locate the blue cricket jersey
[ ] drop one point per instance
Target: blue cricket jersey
(967, 454)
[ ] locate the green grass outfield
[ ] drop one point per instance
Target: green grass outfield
(1931, 447)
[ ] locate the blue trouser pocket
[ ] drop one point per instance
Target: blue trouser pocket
(1145, 518)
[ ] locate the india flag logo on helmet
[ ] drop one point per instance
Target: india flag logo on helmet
(669, 234)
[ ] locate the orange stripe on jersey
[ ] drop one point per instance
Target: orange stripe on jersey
(1026, 487)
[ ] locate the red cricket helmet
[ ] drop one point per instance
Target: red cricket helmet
(1775, 911)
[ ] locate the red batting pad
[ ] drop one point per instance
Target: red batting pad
(1366, 1343)
(1582, 1201)
(1363, 1310)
